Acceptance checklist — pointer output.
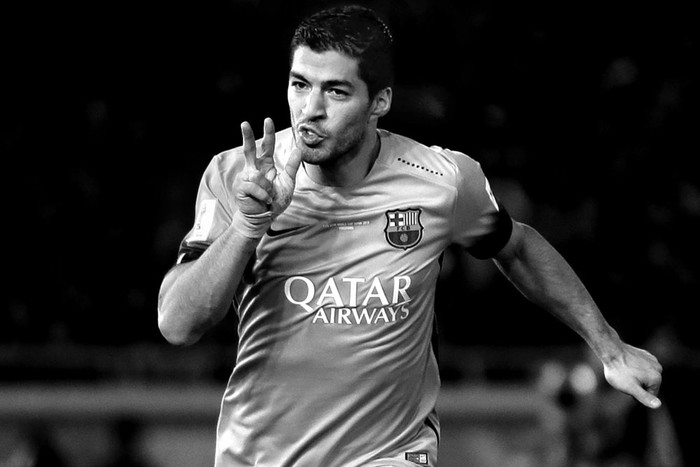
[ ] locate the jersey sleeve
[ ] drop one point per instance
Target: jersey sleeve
(481, 223)
(213, 210)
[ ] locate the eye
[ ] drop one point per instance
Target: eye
(335, 92)
(298, 85)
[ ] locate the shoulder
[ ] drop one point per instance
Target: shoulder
(434, 162)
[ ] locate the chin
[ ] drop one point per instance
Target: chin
(315, 156)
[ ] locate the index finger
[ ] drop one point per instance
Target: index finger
(649, 400)
(249, 151)
(646, 396)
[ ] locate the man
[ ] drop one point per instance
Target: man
(327, 237)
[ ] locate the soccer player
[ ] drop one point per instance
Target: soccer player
(327, 237)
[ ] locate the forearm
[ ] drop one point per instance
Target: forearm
(545, 278)
(196, 295)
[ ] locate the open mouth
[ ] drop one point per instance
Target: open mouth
(310, 136)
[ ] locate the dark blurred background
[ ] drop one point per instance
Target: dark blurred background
(581, 115)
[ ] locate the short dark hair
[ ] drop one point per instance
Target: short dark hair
(355, 31)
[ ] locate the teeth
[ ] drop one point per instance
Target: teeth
(310, 137)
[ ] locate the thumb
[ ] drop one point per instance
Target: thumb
(293, 163)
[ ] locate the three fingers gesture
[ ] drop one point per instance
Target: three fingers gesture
(263, 192)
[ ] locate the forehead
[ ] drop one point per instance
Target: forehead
(329, 65)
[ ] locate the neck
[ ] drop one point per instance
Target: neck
(350, 168)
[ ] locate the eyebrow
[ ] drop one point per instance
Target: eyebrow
(326, 84)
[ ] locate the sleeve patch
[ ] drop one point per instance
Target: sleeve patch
(204, 221)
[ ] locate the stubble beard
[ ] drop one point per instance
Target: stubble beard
(333, 149)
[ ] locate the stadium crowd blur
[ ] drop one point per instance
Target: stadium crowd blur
(582, 118)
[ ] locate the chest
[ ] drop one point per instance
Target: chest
(400, 229)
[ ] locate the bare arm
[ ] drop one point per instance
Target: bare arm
(195, 296)
(545, 278)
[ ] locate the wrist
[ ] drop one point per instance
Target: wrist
(252, 226)
(608, 348)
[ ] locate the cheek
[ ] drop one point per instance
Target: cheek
(353, 120)
(293, 105)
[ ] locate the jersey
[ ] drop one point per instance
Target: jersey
(335, 365)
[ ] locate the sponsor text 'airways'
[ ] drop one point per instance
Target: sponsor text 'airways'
(348, 300)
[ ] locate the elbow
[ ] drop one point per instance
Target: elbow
(177, 335)
(176, 332)
(181, 320)
(175, 322)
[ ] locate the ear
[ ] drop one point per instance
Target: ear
(381, 103)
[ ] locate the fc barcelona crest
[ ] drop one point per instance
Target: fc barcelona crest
(403, 228)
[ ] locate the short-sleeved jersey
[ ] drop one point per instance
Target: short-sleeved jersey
(335, 365)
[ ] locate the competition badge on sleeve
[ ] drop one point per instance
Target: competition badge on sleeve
(204, 221)
(403, 228)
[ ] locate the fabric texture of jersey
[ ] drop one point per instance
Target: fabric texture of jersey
(335, 365)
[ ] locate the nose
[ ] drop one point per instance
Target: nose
(314, 105)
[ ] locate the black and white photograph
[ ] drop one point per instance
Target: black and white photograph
(265, 233)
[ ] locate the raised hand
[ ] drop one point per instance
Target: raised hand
(262, 193)
(637, 373)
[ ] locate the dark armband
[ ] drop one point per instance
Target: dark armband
(190, 252)
(490, 244)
